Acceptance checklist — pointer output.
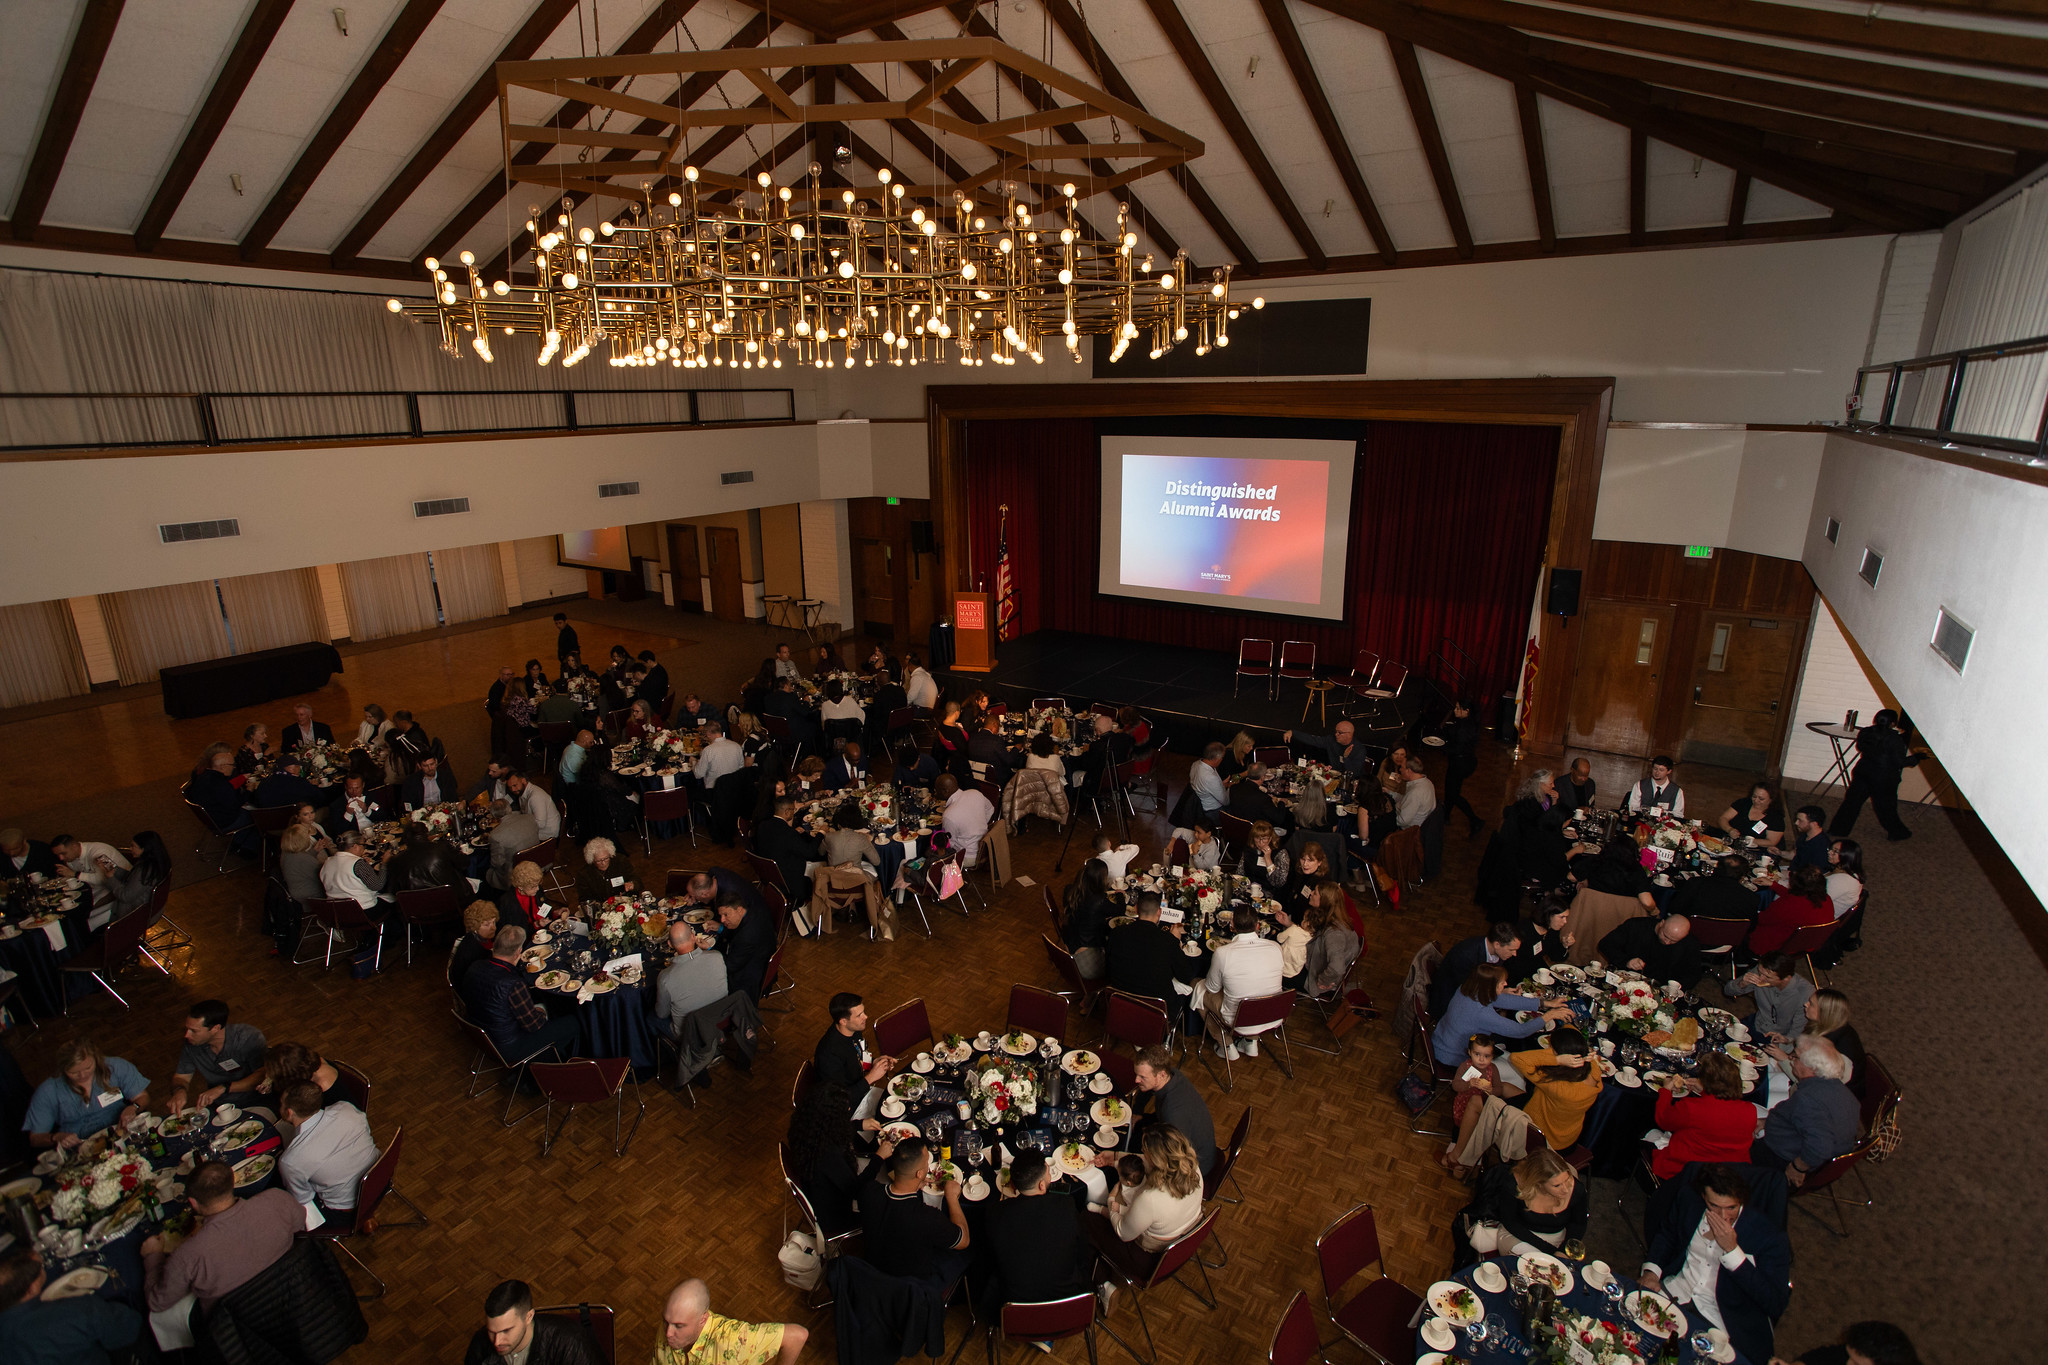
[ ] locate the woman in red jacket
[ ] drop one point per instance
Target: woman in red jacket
(1707, 1118)
(1802, 905)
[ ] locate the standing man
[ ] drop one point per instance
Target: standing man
(565, 643)
(1461, 752)
(494, 700)
(1881, 760)
(226, 1058)
(653, 688)
(842, 1056)
(691, 1334)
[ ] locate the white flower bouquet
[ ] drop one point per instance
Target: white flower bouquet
(1004, 1090)
(1634, 1007)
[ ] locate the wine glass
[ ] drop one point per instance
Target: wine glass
(1614, 1290)
(1702, 1345)
(1574, 1250)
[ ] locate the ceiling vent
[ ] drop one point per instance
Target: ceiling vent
(1952, 639)
(619, 490)
(1834, 531)
(440, 507)
(737, 476)
(174, 532)
(1873, 564)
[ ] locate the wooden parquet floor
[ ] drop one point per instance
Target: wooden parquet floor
(698, 1192)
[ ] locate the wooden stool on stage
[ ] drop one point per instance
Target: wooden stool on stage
(1319, 690)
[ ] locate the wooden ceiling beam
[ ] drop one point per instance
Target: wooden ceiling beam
(1502, 52)
(1113, 82)
(1956, 156)
(546, 17)
(397, 40)
(1533, 151)
(89, 43)
(1835, 104)
(258, 31)
(1638, 186)
(1940, 87)
(1738, 205)
(1281, 21)
(1424, 113)
(1863, 32)
(1196, 60)
(666, 16)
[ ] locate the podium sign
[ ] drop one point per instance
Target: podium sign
(974, 636)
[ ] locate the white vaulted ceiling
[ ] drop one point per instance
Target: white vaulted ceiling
(258, 131)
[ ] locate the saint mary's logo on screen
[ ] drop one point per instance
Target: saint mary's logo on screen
(1215, 575)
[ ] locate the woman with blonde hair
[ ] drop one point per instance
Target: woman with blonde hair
(480, 926)
(521, 903)
(1537, 1204)
(90, 1092)
(301, 851)
(1237, 757)
(640, 721)
(1165, 1207)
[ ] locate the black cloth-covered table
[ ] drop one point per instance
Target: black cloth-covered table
(239, 680)
(38, 967)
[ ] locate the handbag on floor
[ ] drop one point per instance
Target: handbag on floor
(801, 1268)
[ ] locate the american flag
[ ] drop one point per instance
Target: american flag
(1006, 595)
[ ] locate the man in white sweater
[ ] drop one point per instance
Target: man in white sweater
(1245, 967)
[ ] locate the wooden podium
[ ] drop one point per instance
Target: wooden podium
(974, 632)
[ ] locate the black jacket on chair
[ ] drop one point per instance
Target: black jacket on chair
(880, 1318)
(789, 849)
(300, 1310)
(436, 863)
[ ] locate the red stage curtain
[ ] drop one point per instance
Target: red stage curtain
(1447, 529)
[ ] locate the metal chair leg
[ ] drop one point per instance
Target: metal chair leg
(620, 1144)
(513, 1099)
(341, 1245)
(418, 1219)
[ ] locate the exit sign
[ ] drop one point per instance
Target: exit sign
(894, 501)
(1699, 552)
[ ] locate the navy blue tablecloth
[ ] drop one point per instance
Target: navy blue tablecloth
(1501, 1308)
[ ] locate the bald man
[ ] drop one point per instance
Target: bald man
(692, 1334)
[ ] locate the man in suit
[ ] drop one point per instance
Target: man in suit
(515, 833)
(748, 942)
(1145, 956)
(784, 702)
(654, 690)
(842, 1056)
(1576, 791)
(1881, 761)
(432, 781)
(304, 730)
(790, 849)
(21, 855)
(566, 643)
(354, 809)
(847, 768)
(1166, 1096)
(1730, 1263)
(989, 749)
(1249, 799)
(1497, 944)
(494, 700)
(408, 741)
(287, 787)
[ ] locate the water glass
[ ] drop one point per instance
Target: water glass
(1702, 1345)
(1614, 1291)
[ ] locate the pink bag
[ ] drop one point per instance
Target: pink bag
(950, 881)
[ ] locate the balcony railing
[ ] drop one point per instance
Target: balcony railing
(117, 421)
(1994, 397)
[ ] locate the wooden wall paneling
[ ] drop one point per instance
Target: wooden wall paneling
(1578, 407)
(914, 578)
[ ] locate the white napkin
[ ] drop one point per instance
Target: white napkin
(1657, 1138)
(668, 782)
(173, 1326)
(54, 931)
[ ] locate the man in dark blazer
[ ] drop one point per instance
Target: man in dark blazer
(748, 942)
(655, 687)
(784, 702)
(1249, 800)
(303, 730)
(847, 768)
(21, 855)
(434, 770)
(1497, 944)
(989, 749)
(1145, 957)
(790, 849)
(1712, 1245)
(565, 639)
(286, 786)
(408, 740)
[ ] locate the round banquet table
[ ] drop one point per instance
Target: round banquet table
(620, 1021)
(29, 954)
(1590, 1302)
(907, 838)
(683, 779)
(122, 1255)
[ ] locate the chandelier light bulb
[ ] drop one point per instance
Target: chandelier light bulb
(764, 180)
(690, 174)
(1166, 281)
(501, 288)
(606, 228)
(1223, 338)
(931, 229)
(846, 198)
(1005, 246)
(1259, 302)
(394, 305)
(1180, 334)
(1215, 291)
(568, 281)
(448, 296)
(796, 230)
(675, 199)
(469, 258)
(967, 271)
(586, 236)
(1066, 277)
(432, 264)
(846, 270)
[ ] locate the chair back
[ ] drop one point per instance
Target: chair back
(1049, 1319)
(1177, 853)
(1810, 939)
(902, 1029)
(1393, 677)
(1048, 703)
(1273, 755)
(1103, 708)
(659, 804)
(678, 883)
(1182, 1250)
(1052, 908)
(1139, 1020)
(432, 905)
(376, 1182)
(596, 1319)
(1063, 963)
(1347, 1246)
(271, 820)
(1298, 658)
(348, 915)
(1364, 663)
(1712, 934)
(1226, 1160)
(1826, 1174)
(772, 897)
(1235, 829)
(543, 853)
(997, 709)
(903, 717)
(1295, 1340)
(1881, 1095)
(200, 813)
(1254, 655)
(767, 871)
(384, 797)
(778, 726)
(615, 721)
(353, 1085)
(1264, 1009)
(124, 935)
(1121, 1070)
(772, 973)
(581, 1081)
(989, 790)
(1037, 1011)
(804, 1076)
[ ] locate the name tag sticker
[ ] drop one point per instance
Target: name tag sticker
(109, 1098)
(230, 1064)
(618, 881)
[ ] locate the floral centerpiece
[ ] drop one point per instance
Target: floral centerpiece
(1004, 1090)
(878, 806)
(1634, 1007)
(656, 749)
(583, 688)
(1322, 774)
(93, 1189)
(623, 920)
(439, 818)
(1584, 1340)
(1675, 835)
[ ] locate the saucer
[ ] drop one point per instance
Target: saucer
(1489, 1278)
(1439, 1335)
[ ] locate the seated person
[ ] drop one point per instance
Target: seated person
(1245, 968)
(90, 1093)
(847, 768)
(1563, 1083)
(1801, 905)
(1035, 1240)
(480, 927)
(1662, 950)
(255, 748)
(1114, 856)
(223, 1058)
(694, 978)
(913, 767)
(1044, 756)
(1084, 926)
(1863, 1343)
(791, 850)
(1109, 748)
(558, 707)
(1723, 1261)
(286, 786)
(1237, 757)
(1167, 1099)
(521, 903)
(81, 1330)
(410, 744)
(354, 809)
(1476, 1077)
(1540, 1203)
(329, 1152)
(1707, 1117)
(903, 1235)
(574, 754)
(210, 788)
(988, 753)
(1659, 789)
(424, 862)
(1810, 841)
(83, 857)
(748, 941)
(1616, 870)
(1544, 939)
(1418, 795)
(640, 721)
(513, 1331)
(1340, 746)
(286, 1064)
(1333, 943)
(1827, 1016)
(692, 712)
(237, 1240)
(965, 814)
(847, 855)
(1141, 1221)
(839, 714)
(1780, 994)
(824, 1155)
(606, 872)
(1718, 896)
(304, 729)
(348, 875)
(1144, 957)
(1755, 816)
(1249, 801)
(1499, 944)
(432, 782)
(500, 1005)
(1818, 1122)
(1293, 935)
(1311, 869)
(1205, 850)
(1476, 1009)
(691, 1332)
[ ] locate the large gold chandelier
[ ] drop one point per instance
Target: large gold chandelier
(700, 269)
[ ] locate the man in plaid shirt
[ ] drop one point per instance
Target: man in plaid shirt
(502, 1007)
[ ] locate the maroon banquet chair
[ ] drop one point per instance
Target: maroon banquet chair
(678, 883)
(1718, 939)
(1251, 1013)
(1804, 943)
(1273, 755)
(1139, 1020)
(1122, 1072)
(1297, 663)
(1036, 1010)
(659, 807)
(1079, 988)
(1295, 1340)
(371, 1187)
(351, 1085)
(584, 1081)
(1172, 1260)
(766, 870)
(903, 1029)
(1254, 660)
(429, 908)
(1046, 1321)
(103, 957)
(1375, 1318)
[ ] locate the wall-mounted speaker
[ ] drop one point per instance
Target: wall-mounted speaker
(1564, 592)
(921, 539)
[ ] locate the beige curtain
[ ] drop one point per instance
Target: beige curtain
(393, 596)
(42, 659)
(267, 610)
(471, 583)
(155, 628)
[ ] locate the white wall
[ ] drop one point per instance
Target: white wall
(1722, 486)
(1832, 683)
(89, 526)
(1973, 542)
(1757, 333)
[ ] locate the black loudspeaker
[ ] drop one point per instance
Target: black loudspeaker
(921, 538)
(1564, 592)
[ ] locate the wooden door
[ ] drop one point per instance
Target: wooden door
(874, 588)
(1622, 649)
(1734, 714)
(722, 548)
(686, 576)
